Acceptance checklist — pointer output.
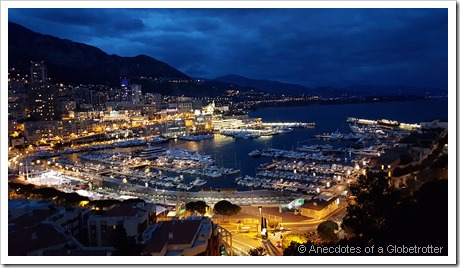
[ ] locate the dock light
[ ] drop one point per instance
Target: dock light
(383, 167)
(317, 190)
(328, 184)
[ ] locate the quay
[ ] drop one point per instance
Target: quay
(384, 123)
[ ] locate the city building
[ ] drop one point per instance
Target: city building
(20, 206)
(170, 128)
(435, 124)
(33, 241)
(227, 123)
(318, 208)
(125, 91)
(135, 218)
(42, 101)
(65, 108)
(192, 237)
(137, 94)
(57, 130)
(38, 225)
(38, 72)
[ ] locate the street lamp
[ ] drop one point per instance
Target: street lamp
(261, 220)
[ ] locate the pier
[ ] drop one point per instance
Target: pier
(384, 123)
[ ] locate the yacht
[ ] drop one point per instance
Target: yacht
(151, 152)
(198, 182)
(255, 153)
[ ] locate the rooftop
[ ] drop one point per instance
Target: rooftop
(172, 233)
(43, 236)
(416, 137)
(31, 218)
(124, 211)
(390, 156)
(318, 204)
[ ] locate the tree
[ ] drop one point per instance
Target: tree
(225, 208)
(375, 200)
(196, 207)
(259, 251)
(326, 230)
(124, 245)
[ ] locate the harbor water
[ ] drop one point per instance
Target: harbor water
(232, 153)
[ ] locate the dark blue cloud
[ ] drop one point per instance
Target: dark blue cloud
(313, 47)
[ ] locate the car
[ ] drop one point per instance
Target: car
(278, 244)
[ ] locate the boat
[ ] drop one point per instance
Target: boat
(229, 171)
(130, 143)
(366, 152)
(198, 182)
(159, 139)
(151, 152)
(314, 148)
(255, 153)
(196, 137)
(322, 136)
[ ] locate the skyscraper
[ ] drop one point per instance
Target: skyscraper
(38, 72)
(137, 94)
(125, 92)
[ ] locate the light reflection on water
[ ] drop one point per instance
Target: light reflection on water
(229, 152)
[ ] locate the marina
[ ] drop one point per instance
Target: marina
(294, 162)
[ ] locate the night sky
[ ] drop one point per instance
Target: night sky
(311, 47)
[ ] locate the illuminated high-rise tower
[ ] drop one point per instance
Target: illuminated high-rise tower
(125, 92)
(38, 72)
(137, 94)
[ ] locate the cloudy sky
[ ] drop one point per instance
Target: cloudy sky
(311, 47)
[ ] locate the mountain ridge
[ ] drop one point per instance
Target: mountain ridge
(75, 62)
